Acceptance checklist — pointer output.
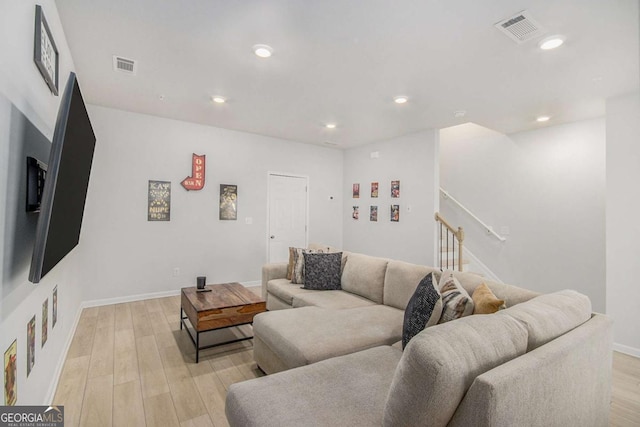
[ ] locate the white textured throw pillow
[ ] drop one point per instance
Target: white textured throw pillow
(455, 299)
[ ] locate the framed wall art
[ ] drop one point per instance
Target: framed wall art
(45, 52)
(356, 191)
(395, 189)
(395, 213)
(374, 189)
(356, 213)
(54, 307)
(373, 213)
(31, 344)
(228, 202)
(45, 322)
(159, 205)
(11, 374)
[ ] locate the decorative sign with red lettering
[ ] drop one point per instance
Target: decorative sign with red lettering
(196, 180)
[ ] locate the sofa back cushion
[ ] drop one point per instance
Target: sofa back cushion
(548, 316)
(401, 281)
(364, 275)
(441, 362)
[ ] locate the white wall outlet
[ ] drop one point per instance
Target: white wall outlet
(248, 220)
(375, 154)
(176, 271)
(505, 230)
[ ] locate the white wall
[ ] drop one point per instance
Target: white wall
(126, 255)
(623, 220)
(548, 187)
(413, 160)
(28, 112)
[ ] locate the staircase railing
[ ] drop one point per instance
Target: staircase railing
(450, 238)
(461, 206)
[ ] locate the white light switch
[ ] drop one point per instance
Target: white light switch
(248, 220)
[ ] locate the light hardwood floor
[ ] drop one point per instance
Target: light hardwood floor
(131, 365)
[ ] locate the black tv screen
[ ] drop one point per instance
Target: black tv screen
(65, 187)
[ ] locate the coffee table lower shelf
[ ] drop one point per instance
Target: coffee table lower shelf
(196, 340)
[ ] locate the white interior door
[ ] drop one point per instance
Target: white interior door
(287, 215)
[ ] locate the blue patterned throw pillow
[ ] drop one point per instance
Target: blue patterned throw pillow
(322, 271)
(424, 309)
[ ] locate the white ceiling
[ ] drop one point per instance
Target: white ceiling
(343, 61)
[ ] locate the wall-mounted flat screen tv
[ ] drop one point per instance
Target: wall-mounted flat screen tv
(66, 183)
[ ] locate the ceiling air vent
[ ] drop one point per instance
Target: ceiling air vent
(520, 27)
(124, 65)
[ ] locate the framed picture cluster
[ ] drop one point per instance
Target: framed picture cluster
(394, 193)
(11, 359)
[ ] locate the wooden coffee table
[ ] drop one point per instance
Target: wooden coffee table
(226, 306)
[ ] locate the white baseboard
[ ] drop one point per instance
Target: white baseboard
(631, 351)
(152, 295)
(130, 298)
(108, 301)
(63, 357)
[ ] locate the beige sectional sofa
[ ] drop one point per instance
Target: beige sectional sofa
(335, 359)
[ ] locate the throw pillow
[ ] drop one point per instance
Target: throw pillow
(322, 271)
(423, 310)
(455, 299)
(297, 270)
(292, 251)
(485, 301)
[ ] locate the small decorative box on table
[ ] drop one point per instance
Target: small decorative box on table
(225, 306)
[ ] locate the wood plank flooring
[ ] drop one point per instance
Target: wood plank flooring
(131, 365)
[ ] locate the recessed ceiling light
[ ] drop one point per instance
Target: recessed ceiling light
(551, 42)
(262, 50)
(219, 99)
(543, 119)
(330, 125)
(400, 99)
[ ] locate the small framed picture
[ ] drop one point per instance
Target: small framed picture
(374, 189)
(11, 374)
(373, 213)
(31, 344)
(45, 52)
(356, 213)
(395, 213)
(395, 189)
(356, 191)
(228, 202)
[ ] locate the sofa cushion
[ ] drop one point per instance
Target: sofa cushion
(512, 295)
(364, 275)
(455, 300)
(285, 290)
(330, 299)
(401, 280)
(345, 391)
(484, 301)
(309, 334)
(424, 309)
(550, 315)
(441, 362)
(322, 271)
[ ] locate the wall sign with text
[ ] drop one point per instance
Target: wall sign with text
(196, 180)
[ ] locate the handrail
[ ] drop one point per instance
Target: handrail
(459, 236)
(486, 227)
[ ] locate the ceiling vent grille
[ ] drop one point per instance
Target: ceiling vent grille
(124, 65)
(520, 27)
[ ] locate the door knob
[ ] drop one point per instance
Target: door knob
(273, 237)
